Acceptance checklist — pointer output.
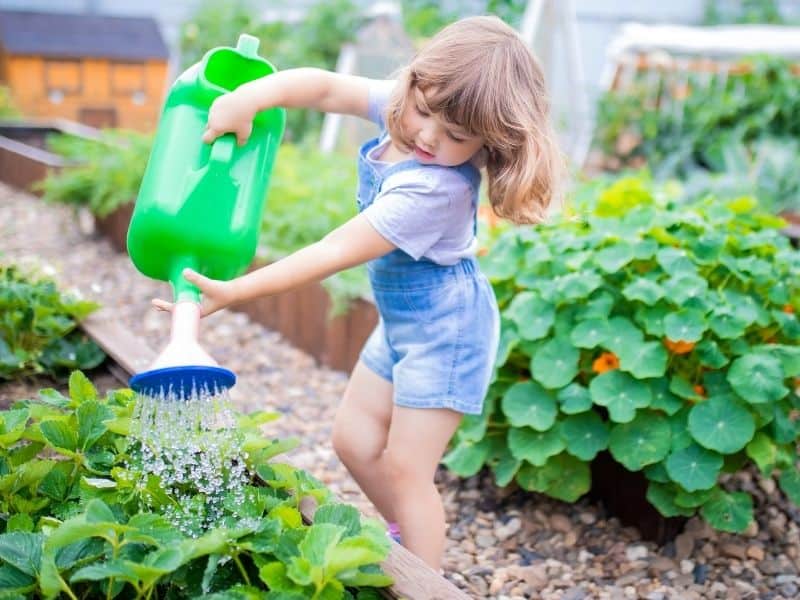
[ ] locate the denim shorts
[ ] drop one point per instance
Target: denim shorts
(437, 336)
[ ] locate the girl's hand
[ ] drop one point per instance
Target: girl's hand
(232, 112)
(216, 294)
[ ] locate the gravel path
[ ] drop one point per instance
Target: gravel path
(503, 543)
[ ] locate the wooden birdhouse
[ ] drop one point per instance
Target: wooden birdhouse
(100, 70)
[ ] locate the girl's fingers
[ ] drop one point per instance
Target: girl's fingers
(196, 278)
(162, 304)
(210, 135)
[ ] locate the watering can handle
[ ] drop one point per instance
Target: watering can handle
(222, 151)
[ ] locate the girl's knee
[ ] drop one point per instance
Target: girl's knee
(404, 472)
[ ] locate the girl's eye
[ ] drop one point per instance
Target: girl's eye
(456, 139)
(421, 112)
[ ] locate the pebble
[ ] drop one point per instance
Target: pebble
(502, 544)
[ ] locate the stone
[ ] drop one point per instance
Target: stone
(560, 523)
(733, 550)
(755, 552)
(684, 545)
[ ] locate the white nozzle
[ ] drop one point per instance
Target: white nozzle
(183, 348)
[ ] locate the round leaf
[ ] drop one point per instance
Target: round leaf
(757, 378)
(532, 315)
(643, 441)
(621, 394)
(555, 363)
(534, 446)
(694, 467)
(729, 512)
(721, 424)
(585, 434)
(528, 404)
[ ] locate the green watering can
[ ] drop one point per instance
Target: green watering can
(200, 205)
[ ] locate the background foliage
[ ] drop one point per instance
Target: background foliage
(38, 328)
(740, 137)
(315, 41)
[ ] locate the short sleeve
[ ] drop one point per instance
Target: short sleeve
(416, 211)
(377, 98)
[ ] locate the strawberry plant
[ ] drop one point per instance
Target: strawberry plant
(78, 520)
(663, 332)
(38, 328)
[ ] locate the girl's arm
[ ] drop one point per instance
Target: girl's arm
(295, 88)
(349, 245)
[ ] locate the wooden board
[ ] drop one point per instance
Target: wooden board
(413, 579)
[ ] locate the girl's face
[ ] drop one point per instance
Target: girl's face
(436, 141)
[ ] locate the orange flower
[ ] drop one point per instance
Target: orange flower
(483, 251)
(700, 390)
(678, 347)
(607, 361)
(788, 309)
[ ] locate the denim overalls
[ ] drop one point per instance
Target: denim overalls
(438, 331)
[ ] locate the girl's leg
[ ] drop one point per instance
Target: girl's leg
(417, 440)
(360, 431)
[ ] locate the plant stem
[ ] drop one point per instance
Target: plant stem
(242, 570)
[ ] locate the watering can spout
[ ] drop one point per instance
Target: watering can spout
(183, 368)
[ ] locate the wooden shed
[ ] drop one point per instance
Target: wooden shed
(100, 70)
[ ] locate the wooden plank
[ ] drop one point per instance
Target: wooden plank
(118, 342)
(413, 579)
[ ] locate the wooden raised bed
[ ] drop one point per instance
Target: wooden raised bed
(24, 159)
(413, 579)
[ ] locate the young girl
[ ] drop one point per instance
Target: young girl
(473, 97)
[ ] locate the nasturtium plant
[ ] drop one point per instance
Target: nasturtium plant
(38, 328)
(661, 331)
(77, 520)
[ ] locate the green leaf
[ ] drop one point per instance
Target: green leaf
(563, 477)
(731, 512)
(14, 584)
(585, 434)
(710, 355)
(663, 399)
(643, 290)
(534, 446)
(687, 325)
(343, 515)
(621, 394)
(555, 363)
(91, 415)
(721, 424)
(353, 553)
(467, 458)
(662, 496)
(22, 550)
(574, 399)
(590, 333)
(612, 258)
(533, 316)
(59, 434)
(643, 441)
(644, 360)
(80, 388)
(790, 484)
(694, 467)
(529, 404)
(763, 451)
(757, 378)
(623, 335)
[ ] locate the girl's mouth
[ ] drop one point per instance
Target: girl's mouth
(421, 153)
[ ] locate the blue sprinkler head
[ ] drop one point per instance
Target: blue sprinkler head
(184, 382)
